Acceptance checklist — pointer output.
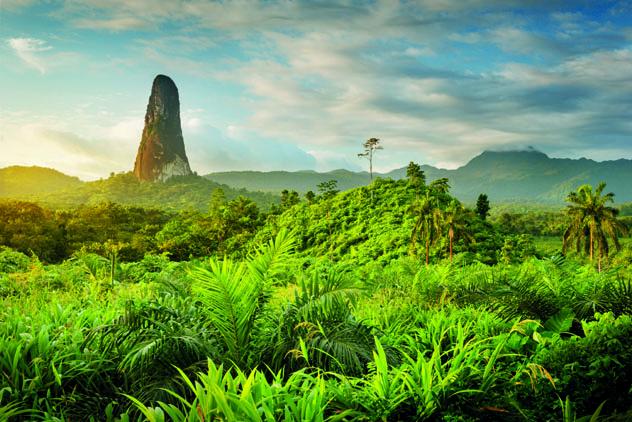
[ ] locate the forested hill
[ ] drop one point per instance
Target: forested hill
(533, 176)
(505, 176)
(374, 223)
(58, 190)
(19, 180)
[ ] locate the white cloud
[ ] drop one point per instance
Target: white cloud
(28, 50)
(417, 52)
(113, 24)
(119, 15)
(210, 150)
(602, 66)
(324, 76)
(87, 158)
(518, 72)
(127, 129)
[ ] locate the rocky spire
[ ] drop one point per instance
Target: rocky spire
(161, 152)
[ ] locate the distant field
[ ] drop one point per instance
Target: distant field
(551, 245)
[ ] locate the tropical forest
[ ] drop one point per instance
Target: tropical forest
(315, 211)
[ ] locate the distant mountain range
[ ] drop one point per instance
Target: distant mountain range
(508, 176)
(504, 176)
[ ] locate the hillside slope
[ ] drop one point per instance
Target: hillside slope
(371, 224)
(58, 190)
(533, 176)
(511, 176)
(17, 181)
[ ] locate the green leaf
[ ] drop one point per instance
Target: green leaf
(560, 322)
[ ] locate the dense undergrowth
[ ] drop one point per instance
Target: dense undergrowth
(264, 339)
(373, 224)
(337, 318)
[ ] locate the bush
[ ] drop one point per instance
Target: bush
(12, 261)
(594, 368)
(146, 270)
(517, 248)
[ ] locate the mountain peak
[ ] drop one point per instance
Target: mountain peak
(161, 152)
(528, 152)
(511, 158)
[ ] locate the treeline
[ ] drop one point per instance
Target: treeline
(54, 235)
(55, 190)
(385, 220)
(545, 223)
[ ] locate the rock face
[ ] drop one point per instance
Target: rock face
(161, 153)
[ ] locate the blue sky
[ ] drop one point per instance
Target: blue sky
(301, 84)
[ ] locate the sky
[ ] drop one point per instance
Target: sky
(291, 85)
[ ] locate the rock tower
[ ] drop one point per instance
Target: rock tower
(161, 153)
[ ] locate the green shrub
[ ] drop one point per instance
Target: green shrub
(12, 261)
(146, 270)
(596, 367)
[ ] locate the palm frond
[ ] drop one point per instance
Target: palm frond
(234, 294)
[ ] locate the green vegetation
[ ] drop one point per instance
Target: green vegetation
(55, 190)
(593, 221)
(53, 236)
(482, 206)
(16, 181)
(391, 301)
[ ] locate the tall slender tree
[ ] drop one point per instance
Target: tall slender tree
(428, 224)
(370, 146)
(416, 177)
(482, 206)
(592, 221)
(454, 220)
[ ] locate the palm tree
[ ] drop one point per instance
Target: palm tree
(416, 178)
(454, 220)
(428, 224)
(318, 328)
(440, 186)
(592, 221)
